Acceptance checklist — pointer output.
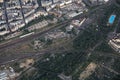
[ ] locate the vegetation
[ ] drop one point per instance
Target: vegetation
(51, 66)
(74, 62)
(104, 47)
(117, 77)
(37, 20)
(87, 39)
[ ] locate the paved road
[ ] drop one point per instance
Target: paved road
(18, 40)
(21, 8)
(6, 16)
(28, 38)
(25, 39)
(118, 27)
(17, 57)
(110, 69)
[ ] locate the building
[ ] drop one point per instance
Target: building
(27, 1)
(7, 74)
(115, 46)
(78, 23)
(56, 34)
(38, 25)
(1, 1)
(41, 12)
(4, 30)
(115, 43)
(68, 2)
(106, 0)
(72, 14)
(54, 1)
(45, 3)
(69, 28)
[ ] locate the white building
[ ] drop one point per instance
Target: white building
(7, 74)
(38, 25)
(3, 75)
(115, 43)
(68, 1)
(72, 14)
(69, 28)
(3, 30)
(54, 1)
(45, 3)
(39, 13)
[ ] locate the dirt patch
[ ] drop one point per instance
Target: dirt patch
(88, 71)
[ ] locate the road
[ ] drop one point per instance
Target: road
(17, 41)
(9, 59)
(25, 39)
(36, 35)
(6, 16)
(110, 69)
(21, 9)
(117, 27)
(18, 57)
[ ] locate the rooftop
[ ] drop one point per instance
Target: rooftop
(1, 1)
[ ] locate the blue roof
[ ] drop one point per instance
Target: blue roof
(112, 19)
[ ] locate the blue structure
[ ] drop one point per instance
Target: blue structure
(112, 19)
